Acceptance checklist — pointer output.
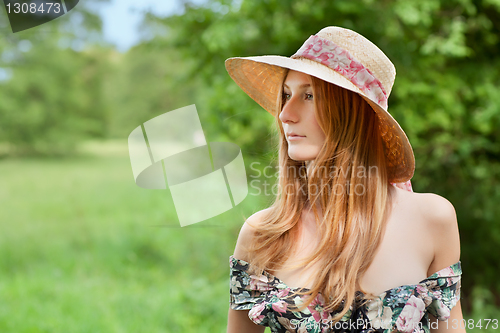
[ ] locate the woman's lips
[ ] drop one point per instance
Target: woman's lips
(295, 137)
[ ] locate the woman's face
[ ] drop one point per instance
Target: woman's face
(303, 134)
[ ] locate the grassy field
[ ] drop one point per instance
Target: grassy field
(83, 249)
(86, 250)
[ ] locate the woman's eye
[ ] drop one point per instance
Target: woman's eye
(287, 97)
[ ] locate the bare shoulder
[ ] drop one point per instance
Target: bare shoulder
(439, 220)
(247, 232)
(437, 211)
(440, 216)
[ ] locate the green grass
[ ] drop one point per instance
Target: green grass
(86, 250)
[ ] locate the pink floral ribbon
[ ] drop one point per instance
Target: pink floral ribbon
(405, 186)
(340, 60)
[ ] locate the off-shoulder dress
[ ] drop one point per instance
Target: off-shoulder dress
(403, 308)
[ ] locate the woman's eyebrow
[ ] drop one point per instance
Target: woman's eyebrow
(304, 85)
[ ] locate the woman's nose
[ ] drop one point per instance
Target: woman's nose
(289, 111)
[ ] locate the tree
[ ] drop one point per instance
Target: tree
(53, 97)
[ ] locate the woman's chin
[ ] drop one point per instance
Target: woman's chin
(301, 157)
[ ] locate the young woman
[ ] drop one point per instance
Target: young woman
(346, 246)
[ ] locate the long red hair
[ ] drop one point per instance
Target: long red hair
(347, 182)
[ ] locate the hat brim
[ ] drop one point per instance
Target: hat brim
(261, 77)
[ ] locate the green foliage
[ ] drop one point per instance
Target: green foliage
(51, 103)
(144, 83)
(53, 98)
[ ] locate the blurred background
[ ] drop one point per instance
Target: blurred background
(83, 249)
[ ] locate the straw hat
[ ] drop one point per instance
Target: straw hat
(342, 57)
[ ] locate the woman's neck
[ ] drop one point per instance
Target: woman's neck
(309, 166)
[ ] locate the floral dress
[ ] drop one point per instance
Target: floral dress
(404, 308)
